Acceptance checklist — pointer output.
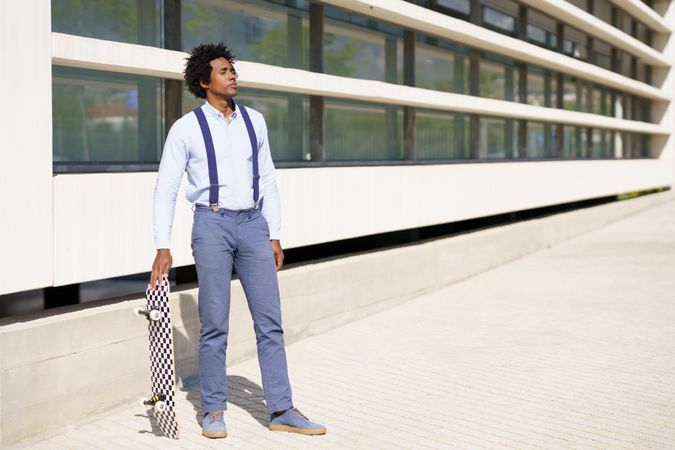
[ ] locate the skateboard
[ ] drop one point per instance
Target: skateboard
(162, 362)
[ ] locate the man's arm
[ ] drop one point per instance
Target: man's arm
(171, 170)
(271, 206)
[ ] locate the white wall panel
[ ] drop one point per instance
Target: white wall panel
(103, 221)
(26, 133)
(103, 226)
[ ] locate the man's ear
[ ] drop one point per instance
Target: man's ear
(204, 84)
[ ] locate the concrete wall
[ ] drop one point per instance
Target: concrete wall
(85, 361)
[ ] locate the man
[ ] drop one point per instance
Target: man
(231, 183)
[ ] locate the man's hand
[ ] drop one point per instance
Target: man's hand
(161, 267)
(278, 253)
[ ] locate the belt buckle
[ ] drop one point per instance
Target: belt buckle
(214, 207)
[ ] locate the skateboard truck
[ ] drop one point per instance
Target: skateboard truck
(157, 401)
(150, 314)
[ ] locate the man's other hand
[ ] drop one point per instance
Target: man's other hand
(161, 267)
(278, 253)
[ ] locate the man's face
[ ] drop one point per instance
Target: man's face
(223, 79)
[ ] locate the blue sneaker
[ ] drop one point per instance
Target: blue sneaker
(293, 421)
(213, 425)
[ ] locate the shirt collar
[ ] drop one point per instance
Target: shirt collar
(213, 112)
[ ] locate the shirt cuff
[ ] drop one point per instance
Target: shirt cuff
(162, 243)
(275, 234)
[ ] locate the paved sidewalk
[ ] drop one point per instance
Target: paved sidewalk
(573, 346)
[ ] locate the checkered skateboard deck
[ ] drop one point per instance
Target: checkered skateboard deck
(162, 366)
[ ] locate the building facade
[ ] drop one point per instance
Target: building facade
(383, 115)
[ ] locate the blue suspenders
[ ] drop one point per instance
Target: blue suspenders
(211, 157)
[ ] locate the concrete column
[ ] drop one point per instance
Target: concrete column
(317, 151)
(409, 121)
(296, 103)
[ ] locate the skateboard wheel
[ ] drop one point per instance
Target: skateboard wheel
(160, 406)
(142, 402)
(137, 311)
(154, 315)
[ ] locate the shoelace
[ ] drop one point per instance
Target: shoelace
(297, 412)
(215, 415)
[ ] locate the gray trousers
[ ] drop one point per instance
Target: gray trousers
(221, 240)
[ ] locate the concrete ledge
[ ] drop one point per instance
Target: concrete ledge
(86, 361)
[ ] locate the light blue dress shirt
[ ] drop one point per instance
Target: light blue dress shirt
(184, 150)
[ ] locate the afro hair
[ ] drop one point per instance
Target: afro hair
(198, 66)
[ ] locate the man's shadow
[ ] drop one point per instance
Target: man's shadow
(241, 391)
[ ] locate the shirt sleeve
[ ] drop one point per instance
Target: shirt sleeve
(271, 210)
(171, 170)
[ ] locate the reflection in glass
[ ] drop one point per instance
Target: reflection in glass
(536, 140)
(260, 31)
(441, 66)
(286, 116)
(363, 131)
(540, 87)
(602, 144)
(460, 6)
(499, 20)
(132, 21)
(106, 117)
(497, 138)
(360, 48)
(498, 78)
(571, 141)
(441, 135)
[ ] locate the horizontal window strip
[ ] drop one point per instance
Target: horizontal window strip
(73, 51)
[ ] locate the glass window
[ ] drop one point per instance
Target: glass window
(455, 6)
(501, 21)
(642, 33)
(625, 22)
(441, 135)
(498, 78)
(260, 31)
(641, 71)
(535, 87)
(575, 43)
(441, 66)
(360, 131)
(541, 89)
(106, 117)
(541, 29)
(362, 48)
(497, 138)
(536, 140)
(602, 9)
(286, 116)
(132, 21)
(576, 94)
(571, 141)
(580, 4)
(625, 64)
(570, 94)
(603, 53)
(597, 100)
(602, 143)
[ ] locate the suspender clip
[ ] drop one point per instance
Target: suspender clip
(214, 207)
(256, 205)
